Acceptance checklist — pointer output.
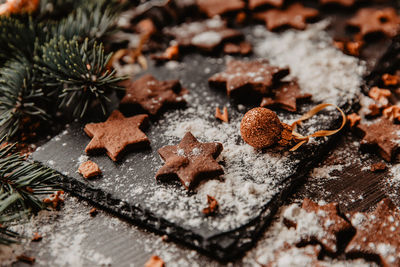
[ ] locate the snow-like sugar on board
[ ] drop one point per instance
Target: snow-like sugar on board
(252, 178)
(322, 70)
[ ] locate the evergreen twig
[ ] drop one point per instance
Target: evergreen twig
(21, 182)
(80, 70)
(92, 21)
(17, 38)
(19, 98)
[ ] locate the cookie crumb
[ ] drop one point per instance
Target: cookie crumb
(224, 116)
(212, 206)
(55, 199)
(26, 259)
(93, 212)
(154, 261)
(36, 237)
(378, 167)
(89, 169)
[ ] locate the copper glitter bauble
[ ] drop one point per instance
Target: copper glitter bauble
(261, 128)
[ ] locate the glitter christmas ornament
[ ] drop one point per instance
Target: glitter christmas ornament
(261, 128)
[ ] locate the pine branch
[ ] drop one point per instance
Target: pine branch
(81, 70)
(21, 182)
(17, 37)
(8, 237)
(19, 98)
(93, 20)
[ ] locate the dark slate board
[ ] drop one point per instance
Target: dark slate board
(118, 189)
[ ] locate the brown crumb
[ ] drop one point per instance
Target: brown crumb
(93, 212)
(55, 199)
(154, 261)
(146, 26)
(240, 17)
(374, 110)
(378, 167)
(380, 95)
(89, 169)
(172, 52)
(27, 259)
(212, 206)
(29, 189)
(36, 237)
(165, 238)
(389, 80)
(392, 113)
(353, 119)
(352, 48)
(224, 116)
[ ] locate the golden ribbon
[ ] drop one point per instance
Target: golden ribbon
(309, 114)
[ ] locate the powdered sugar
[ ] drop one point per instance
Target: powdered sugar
(322, 70)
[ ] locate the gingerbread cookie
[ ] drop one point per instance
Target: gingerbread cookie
(253, 4)
(206, 35)
(346, 3)
(377, 233)
(373, 20)
(295, 16)
(321, 223)
(190, 161)
(285, 96)
(257, 76)
(116, 134)
(218, 7)
(153, 95)
(383, 135)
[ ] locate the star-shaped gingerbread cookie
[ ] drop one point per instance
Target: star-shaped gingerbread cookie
(153, 95)
(377, 233)
(218, 7)
(295, 16)
(286, 96)
(320, 223)
(206, 35)
(190, 161)
(258, 76)
(372, 20)
(258, 3)
(383, 134)
(117, 134)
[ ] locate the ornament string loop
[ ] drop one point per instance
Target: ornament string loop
(304, 139)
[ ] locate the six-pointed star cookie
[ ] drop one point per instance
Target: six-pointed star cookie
(372, 20)
(256, 75)
(190, 161)
(294, 16)
(377, 233)
(205, 35)
(316, 222)
(382, 134)
(218, 7)
(152, 95)
(286, 96)
(116, 134)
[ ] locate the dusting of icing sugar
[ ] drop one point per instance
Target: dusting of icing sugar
(325, 171)
(278, 247)
(207, 38)
(322, 70)
(244, 188)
